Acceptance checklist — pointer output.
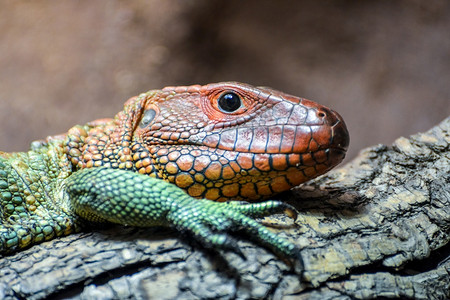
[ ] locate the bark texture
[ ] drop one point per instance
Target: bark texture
(377, 227)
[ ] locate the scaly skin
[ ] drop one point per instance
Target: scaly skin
(223, 141)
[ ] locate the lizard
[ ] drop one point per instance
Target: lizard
(164, 157)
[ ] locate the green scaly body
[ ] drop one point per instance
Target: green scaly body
(34, 206)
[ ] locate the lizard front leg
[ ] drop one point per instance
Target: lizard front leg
(127, 198)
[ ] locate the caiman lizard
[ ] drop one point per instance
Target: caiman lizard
(162, 159)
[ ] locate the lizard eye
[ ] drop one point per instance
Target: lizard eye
(229, 102)
(148, 117)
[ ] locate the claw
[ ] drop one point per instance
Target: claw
(264, 208)
(298, 263)
(290, 211)
(231, 244)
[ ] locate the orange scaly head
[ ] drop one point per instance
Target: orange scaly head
(219, 141)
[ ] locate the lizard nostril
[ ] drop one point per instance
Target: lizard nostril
(323, 113)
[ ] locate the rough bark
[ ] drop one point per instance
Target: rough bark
(377, 227)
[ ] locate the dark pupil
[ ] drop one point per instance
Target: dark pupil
(229, 102)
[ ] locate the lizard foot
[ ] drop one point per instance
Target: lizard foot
(211, 222)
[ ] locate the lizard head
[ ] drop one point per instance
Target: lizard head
(220, 141)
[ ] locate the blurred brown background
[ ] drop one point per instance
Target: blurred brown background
(384, 65)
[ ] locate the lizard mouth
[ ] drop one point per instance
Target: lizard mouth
(239, 172)
(329, 134)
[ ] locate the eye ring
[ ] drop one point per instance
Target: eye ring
(229, 102)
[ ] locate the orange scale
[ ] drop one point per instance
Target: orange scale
(223, 161)
(262, 162)
(295, 177)
(201, 163)
(310, 172)
(254, 173)
(313, 145)
(93, 148)
(279, 162)
(217, 184)
(228, 172)
(199, 177)
(263, 189)
(138, 165)
(230, 155)
(245, 161)
(147, 161)
(97, 156)
(279, 184)
(302, 140)
(184, 180)
(196, 190)
(166, 135)
(185, 162)
(322, 136)
(247, 190)
(173, 155)
(236, 168)
(108, 152)
(175, 136)
(213, 171)
(230, 190)
(308, 160)
(74, 152)
(212, 194)
(162, 151)
(321, 168)
(171, 168)
(184, 135)
(196, 152)
(320, 156)
(87, 156)
(75, 161)
(73, 144)
(78, 131)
